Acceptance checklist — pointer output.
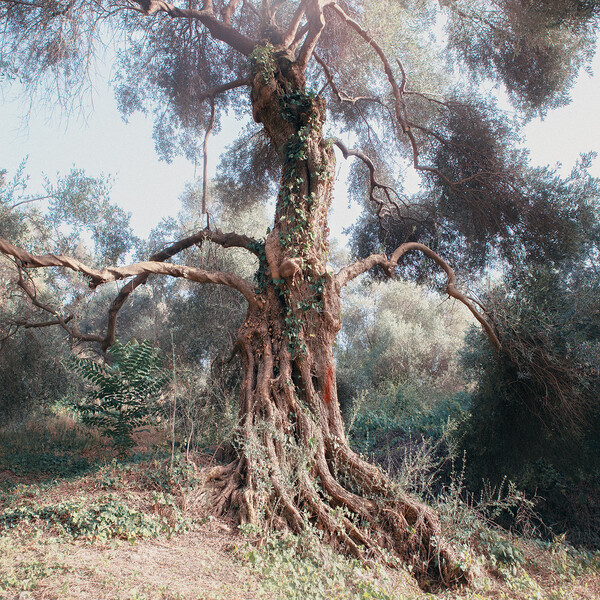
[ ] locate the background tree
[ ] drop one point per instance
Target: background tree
(371, 69)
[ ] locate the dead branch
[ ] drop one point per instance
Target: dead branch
(389, 264)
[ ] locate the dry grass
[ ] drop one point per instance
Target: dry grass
(212, 560)
(193, 566)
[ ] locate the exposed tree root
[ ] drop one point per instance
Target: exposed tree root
(374, 522)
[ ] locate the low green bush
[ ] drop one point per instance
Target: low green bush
(105, 518)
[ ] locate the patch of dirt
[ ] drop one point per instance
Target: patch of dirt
(198, 565)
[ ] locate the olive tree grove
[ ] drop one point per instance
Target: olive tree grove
(399, 79)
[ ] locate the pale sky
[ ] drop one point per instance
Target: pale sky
(150, 189)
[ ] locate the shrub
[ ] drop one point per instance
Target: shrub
(535, 414)
(121, 394)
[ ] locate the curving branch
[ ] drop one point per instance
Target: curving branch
(389, 264)
(226, 240)
(220, 30)
(108, 274)
(400, 108)
(210, 93)
(340, 95)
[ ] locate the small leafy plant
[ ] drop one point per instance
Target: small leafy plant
(121, 394)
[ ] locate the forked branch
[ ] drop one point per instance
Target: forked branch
(390, 193)
(389, 264)
(64, 321)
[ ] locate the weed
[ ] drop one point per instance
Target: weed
(299, 567)
(121, 393)
(108, 517)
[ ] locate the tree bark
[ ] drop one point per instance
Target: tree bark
(295, 468)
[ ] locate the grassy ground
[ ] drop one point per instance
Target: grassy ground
(76, 523)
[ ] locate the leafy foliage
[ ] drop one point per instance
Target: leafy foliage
(534, 48)
(399, 344)
(122, 393)
(104, 519)
(302, 567)
(535, 412)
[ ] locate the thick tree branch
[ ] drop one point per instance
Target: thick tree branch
(225, 87)
(292, 30)
(220, 30)
(227, 240)
(389, 264)
(229, 10)
(99, 277)
(316, 23)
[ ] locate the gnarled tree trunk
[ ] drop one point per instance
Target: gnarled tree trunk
(295, 466)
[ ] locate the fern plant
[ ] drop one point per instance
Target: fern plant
(121, 393)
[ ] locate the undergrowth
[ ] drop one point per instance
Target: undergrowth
(297, 567)
(145, 500)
